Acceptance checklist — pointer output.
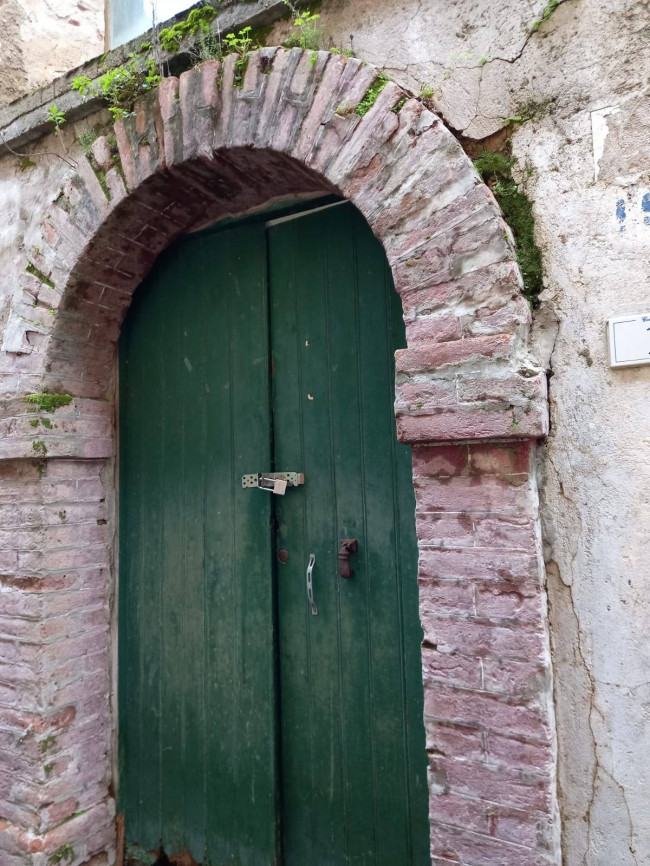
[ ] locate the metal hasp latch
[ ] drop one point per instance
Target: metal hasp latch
(274, 482)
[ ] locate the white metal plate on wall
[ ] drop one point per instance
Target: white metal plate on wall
(629, 340)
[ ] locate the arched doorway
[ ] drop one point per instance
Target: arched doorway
(263, 718)
(469, 398)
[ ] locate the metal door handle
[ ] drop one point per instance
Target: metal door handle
(348, 546)
(310, 585)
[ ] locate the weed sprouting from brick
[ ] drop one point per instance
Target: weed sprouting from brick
(65, 852)
(47, 743)
(34, 271)
(371, 94)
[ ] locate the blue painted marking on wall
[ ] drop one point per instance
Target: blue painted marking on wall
(620, 214)
(645, 207)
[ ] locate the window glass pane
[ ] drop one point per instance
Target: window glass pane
(129, 18)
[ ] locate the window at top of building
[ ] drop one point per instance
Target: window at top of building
(130, 18)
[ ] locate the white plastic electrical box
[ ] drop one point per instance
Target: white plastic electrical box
(629, 340)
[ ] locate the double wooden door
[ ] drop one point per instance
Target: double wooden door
(256, 726)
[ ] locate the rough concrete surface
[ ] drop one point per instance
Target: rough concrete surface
(42, 39)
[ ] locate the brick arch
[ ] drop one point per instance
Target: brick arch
(468, 398)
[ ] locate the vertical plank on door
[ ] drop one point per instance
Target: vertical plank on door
(313, 786)
(196, 691)
(353, 752)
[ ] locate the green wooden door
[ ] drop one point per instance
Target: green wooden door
(253, 732)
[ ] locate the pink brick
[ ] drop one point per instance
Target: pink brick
(460, 846)
(438, 329)
(452, 668)
(473, 494)
(445, 530)
(449, 739)
(514, 789)
(448, 596)
(488, 818)
(467, 423)
(515, 677)
(482, 638)
(512, 390)
(515, 533)
(521, 607)
(436, 355)
(499, 566)
(440, 460)
(500, 459)
(58, 812)
(485, 711)
(422, 398)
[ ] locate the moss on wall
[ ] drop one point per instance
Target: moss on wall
(496, 170)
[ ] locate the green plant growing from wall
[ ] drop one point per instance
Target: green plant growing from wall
(58, 119)
(198, 21)
(306, 33)
(86, 138)
(530, 110)
(34, 271)
(207, 47)
(371, 94)
(496, 170)
(121, 86)
(65, 852)
(47, 743)
(56, 116)
(239, 43)
(548, 10)
(46, 402)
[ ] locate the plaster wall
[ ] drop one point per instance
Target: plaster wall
(43, 39)
(584, 161)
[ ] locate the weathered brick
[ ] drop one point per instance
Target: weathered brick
(431, 357)
(467, 423)
(433, 329)
(473, 493)
(199, 102)
(452, 845)
(482, 638)
(489, 818)
(485, 712)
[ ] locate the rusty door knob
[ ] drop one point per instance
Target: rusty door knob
(348, 546)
